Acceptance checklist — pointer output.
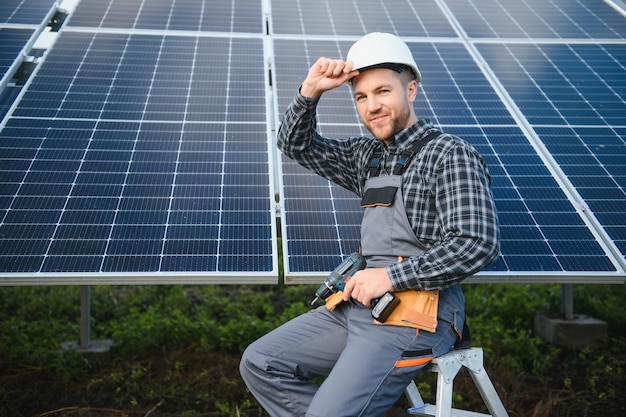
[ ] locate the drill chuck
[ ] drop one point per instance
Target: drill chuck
(322, 293)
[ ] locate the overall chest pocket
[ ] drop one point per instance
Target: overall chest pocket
(379, 197)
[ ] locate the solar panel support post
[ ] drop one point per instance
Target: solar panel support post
(85, 313)
(567, 301)
(93, 351)
(573, 331)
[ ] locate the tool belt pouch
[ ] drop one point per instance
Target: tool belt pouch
(334, 300)
(417, 309)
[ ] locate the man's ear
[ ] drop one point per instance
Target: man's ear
(412, 88)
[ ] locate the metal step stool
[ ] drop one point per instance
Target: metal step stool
(447, 366)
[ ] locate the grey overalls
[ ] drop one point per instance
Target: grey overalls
(386, 233)
(367, 365)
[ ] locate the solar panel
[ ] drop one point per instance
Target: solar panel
(134, 154)
(538, 19)
(142, 149)
(25, 12)
(183, 15)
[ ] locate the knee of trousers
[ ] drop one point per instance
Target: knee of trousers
(249, 364)
(257, 366)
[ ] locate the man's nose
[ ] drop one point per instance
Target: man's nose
(373, 105)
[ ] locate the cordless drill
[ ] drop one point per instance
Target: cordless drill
(336, 281)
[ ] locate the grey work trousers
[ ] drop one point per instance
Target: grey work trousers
(360, 359)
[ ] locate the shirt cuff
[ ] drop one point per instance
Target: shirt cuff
(399, 276)
(306, 101)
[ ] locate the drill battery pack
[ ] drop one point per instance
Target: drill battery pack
(384, 306)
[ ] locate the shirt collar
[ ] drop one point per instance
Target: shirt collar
(409, 135)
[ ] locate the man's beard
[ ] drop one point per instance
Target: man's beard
(398, 125)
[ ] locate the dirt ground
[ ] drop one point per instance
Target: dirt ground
(191, 382)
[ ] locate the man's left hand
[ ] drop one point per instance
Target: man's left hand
(367, 284)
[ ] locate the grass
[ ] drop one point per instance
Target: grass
(177, 350)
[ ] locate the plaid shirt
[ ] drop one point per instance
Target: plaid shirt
(446, 189)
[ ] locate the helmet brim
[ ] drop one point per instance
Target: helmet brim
(399, 68)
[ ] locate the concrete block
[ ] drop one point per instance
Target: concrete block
(580, 332)
(97, 354)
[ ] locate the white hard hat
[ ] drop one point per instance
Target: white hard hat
(382, 50)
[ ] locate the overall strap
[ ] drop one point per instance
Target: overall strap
(405, 158)
(374, 165)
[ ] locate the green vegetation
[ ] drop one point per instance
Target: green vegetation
(177, 350)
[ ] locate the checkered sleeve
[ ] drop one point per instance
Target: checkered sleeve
(339, 161)
(467, 224)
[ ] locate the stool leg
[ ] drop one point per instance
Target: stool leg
(489, 393)
(443, 407)
(413, 395)
(446, 367)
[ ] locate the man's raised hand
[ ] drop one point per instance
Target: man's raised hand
(326, 74)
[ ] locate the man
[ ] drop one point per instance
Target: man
(429, 222)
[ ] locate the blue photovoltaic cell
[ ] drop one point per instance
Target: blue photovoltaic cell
(454, 89)
(594, 160)
(119, 159)
(186, 15)
(29, 12)
(111, 82)
(537, 19)
(357, 18)
(563, 84)
(538, 221)
(321, 220)
(346, 17)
